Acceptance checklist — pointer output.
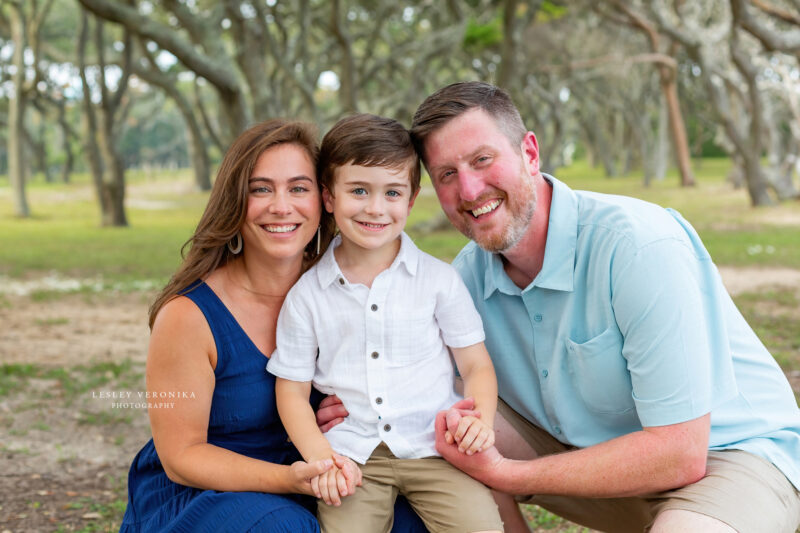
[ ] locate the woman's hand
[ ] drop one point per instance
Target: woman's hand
(301, 474)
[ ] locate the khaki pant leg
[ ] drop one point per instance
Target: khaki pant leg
(445, 498)
(371, 508)
(619, 515)
(740, 489)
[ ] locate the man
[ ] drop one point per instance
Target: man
(637, 393)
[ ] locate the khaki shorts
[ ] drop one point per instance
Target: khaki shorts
(740, 489)
(445, 498)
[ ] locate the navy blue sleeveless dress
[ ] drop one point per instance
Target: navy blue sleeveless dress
(244, 419)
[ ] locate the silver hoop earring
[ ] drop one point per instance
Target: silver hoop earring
(319, 230)
(235, 248)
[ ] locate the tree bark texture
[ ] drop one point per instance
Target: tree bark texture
(16, 113)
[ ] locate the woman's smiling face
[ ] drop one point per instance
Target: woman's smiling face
(283, 203)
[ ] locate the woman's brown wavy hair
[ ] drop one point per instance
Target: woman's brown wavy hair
(227, 206)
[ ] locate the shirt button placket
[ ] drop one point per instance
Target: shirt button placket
(376, 386)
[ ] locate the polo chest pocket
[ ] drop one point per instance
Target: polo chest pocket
(600, 373)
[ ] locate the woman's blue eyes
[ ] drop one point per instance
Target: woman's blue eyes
(359, 191)
(263, 190)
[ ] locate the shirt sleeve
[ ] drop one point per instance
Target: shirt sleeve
(296, 344)
(667, 300)
(455, 313)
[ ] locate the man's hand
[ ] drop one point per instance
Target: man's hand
(484, 466)
(330, 413)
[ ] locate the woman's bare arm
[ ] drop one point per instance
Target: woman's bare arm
(181, 359)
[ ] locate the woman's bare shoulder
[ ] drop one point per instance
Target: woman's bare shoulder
(181, 330)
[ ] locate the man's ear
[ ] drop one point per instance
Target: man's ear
(413, 198)
(530, 153)
(327, 199)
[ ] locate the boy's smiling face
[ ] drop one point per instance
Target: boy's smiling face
(370, 204)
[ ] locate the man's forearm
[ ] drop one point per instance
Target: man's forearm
(639, 463)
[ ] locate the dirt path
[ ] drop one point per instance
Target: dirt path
(65, 450)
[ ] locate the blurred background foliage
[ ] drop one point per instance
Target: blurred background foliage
(110, 88)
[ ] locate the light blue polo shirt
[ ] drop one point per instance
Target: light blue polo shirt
(628, 325)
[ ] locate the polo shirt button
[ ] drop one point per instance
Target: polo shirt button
(387, 427)
(557, 430)
(341, 281)
(373, 307)
(545, 373)
(537, 318)
(374, 355)
(379, 400)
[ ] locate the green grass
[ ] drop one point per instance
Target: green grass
(734, 233)
(64, 233)
(74, 381)
(13, 377)
(774, 317)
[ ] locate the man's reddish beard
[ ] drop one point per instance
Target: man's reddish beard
(520, 205)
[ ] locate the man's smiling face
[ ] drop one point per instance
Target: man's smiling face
(482, 181)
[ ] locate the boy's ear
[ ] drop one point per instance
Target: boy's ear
(413, 198)
(327, 199)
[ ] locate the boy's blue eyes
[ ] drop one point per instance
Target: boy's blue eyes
(361, 191)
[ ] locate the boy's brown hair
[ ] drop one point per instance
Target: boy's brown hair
(369, 141)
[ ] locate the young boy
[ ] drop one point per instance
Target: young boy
(372, 322)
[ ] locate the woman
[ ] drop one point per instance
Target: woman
(220, 459)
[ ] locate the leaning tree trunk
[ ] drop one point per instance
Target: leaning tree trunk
(677, 128)
(669, 88)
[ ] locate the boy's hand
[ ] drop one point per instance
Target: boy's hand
(351, 472)
(471, 434)
(338, 482)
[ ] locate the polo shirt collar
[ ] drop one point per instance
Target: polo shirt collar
(559, 255)
(328, 270)
(558, 270)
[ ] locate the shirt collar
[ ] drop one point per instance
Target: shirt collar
(558, 268)
(328, 269)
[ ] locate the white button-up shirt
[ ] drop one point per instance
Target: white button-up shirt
(382, 350)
